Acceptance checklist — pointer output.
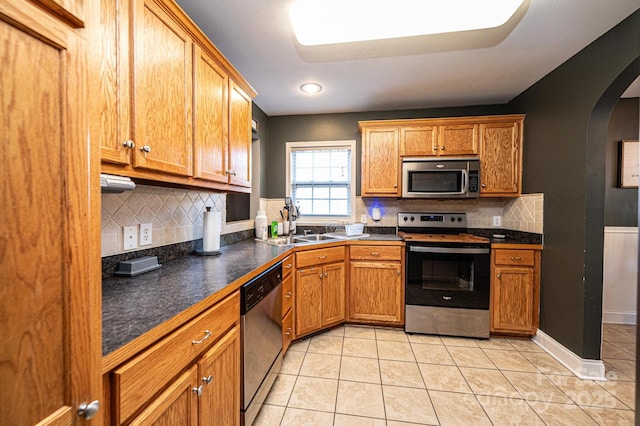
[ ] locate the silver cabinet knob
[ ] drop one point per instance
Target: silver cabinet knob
(146, 149)
(129, 144)
(442, 148)
(88, 411)
(207, 379)
(484, 185)
(198, 390)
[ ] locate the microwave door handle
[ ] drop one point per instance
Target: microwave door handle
(465, 182)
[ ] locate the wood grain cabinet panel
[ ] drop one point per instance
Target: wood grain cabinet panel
(287, 331)
(501, 158)
(176, 405)
(380, 162)
(211, 134)
(333, 294)
(287, 293)
(308, 300)
(515, 291)
(162, 92)
(457, 140)
(239, 136)
(50, 292)
(376, 293)
(419, 141)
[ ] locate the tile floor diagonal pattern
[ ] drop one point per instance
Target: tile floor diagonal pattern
(358, 375)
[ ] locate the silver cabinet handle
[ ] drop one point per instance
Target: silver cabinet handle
(207, 334)
(129, 144)
(289, 294)
(515, 258)
(207, 380)
(499, 276)
(399, 273)
(198, 390)
(484, 185)
(442, 148)
(288, 266)
(322, 257)
(289, 331)
(326, 274)
(374, 253)
(320, 275)
(88, 411)
(146, 149)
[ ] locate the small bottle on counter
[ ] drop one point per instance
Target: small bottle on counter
(261, 225)
(274, 229)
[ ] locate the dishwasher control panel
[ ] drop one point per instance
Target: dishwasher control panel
(258, 288)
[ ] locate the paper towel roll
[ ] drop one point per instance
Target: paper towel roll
(211, 231)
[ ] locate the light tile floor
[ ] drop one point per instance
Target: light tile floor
(353, 376)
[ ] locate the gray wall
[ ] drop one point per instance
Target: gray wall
(621, 204)
(564, 157)
(298, 128)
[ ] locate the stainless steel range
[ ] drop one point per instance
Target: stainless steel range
(447, 275)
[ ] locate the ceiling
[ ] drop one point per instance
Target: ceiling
(470, 68)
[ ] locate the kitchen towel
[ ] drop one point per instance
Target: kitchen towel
(211, 224)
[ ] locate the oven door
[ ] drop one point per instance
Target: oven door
(452, 277)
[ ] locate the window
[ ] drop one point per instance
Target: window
(321, 178)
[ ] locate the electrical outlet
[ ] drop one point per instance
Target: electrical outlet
(363, 218)
(497, 221)
(130, 237)
(145, 234)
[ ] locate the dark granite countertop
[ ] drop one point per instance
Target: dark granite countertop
(131, 306)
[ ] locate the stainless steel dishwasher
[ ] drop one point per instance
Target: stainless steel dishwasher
(261, 330)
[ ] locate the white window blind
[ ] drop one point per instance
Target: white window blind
(321, 180)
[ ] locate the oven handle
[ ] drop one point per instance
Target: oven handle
(451, 250)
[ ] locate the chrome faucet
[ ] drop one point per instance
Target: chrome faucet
(293, 214)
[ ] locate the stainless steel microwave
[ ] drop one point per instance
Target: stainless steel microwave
(440, 178)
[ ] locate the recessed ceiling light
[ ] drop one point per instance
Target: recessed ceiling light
(318, 22)
(311, 88)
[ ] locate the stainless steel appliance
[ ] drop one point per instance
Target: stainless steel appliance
(261, 330)
(440, 178)
(447, 275)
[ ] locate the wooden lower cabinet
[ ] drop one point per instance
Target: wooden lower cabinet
(178, 404)
(208, 393)
(376, 291)
(515, 291)
(320, 296)
(287, 302)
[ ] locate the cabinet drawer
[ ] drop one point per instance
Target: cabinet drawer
(514, 257)
(287, 293)
(319, 257)
(375, 252)
(287, 266)
(136, 381)
(287, 331)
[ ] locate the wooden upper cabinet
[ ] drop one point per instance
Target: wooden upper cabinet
(70, 11)
(239, 136)
(210, 144)
(380, 162)
(457, 140)
(501, 158)
(162, 92)
(419, 141)
(109, 66)
(50, 292)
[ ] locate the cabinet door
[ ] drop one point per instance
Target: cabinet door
(219, 371)
(239, 136)
(51, 351)
(109, 68)
(333, 294)
(458, 139)
(500, 163)
(287, 331)
(376, 292)
(380, 162)
(210, 118)
(308, 290)
(513, 299)
(415, 141)
(162, 92)
(177, 405)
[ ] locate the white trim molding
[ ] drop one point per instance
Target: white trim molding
(587, 369)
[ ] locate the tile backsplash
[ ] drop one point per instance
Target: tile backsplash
(175, 215)
(519, 214)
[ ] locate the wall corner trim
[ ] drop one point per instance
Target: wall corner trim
(586, 369)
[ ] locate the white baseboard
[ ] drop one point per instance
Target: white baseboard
(620, 318)
(590, 369)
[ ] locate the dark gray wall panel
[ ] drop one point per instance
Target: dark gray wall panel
(564, 157)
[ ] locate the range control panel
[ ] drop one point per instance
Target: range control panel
(432, 220)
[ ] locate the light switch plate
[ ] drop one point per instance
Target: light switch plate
(145, 234)
(130, 237)
(497, 221)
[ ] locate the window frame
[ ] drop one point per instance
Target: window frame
(336, 144)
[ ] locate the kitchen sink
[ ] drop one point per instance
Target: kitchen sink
(299, 239)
